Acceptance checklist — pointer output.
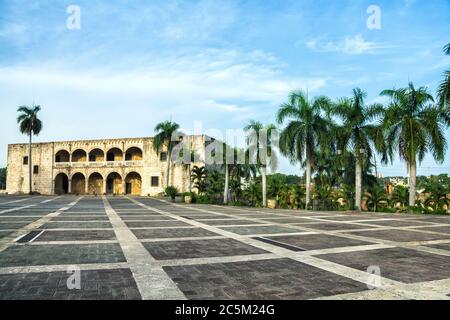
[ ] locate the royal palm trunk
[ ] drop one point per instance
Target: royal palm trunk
(225, 190)
(169, 156)
(264, 186)
(412, 184)
(30, 174)
(358, 184)
(308, 182)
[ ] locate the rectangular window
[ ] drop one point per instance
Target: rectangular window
(155, 181)
(163, 156)
(25, 160)
(35, 169)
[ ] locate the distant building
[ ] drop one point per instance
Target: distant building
(111, 166)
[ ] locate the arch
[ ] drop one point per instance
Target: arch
(96, 155)
(78, 183)
(95, 184)
(133, 184)
(79, 155)
(133, 154)
(114, 154)
(114, 183)
(61, 183)
(62, 156)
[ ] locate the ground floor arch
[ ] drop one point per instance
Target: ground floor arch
(95, 184)
(61, 184)
(78, 183)
(114, 183)
(133, 184)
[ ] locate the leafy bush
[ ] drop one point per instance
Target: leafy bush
(171, 192)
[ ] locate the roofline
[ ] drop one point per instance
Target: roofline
(96, 140)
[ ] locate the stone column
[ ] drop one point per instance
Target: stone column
(104, 186)
(70, 186)
(87, 185)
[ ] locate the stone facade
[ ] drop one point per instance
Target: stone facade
(112, 166)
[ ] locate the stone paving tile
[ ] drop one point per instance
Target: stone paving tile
(36, 255)
(229, 222)
(435, 219)
(12, 225)
(352, 217)
(442, 246)
(260, 230)
(18, 219)
(334, 226)
(199, 249)
(400, 235)
(396, 223)
(4, 233)
(260, 280)
(77, 225)
(318, 241)
(172, 233)
(206, 217)
(95, 285)
(76, 235)
(445, 229)
(289, 220)
(146, 218)
(399, 264)
(79, 218)
(155, 224)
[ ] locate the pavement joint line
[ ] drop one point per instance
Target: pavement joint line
(182, 239)
(345, 234)
(64, 242)
(9, 240)
(357, 275)
(152, 281)
(15, 201)
(341, 270)
(28, 206)
(216, 260)
(63, 267)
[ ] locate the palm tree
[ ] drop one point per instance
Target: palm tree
(443, 92)
(29, 124)
(198, 176)
(400, 195)
(358, 133)
(305, 131)
(414, 127)
(437, 196)
(260, 151)
(375, 196)
(166, 136)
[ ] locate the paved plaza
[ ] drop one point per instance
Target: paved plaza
(148, 248)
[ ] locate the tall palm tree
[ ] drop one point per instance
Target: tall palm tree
(359, 133)
(166, 136)
(258, 147)
(198, 176)
(29, 124)
(414, 127)
(305, 131)
(443, 92)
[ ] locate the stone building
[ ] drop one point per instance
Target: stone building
(112, 166)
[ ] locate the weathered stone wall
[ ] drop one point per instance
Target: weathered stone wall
(43, 155)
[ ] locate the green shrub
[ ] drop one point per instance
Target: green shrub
(171, 192)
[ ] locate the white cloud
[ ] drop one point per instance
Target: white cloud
(354, 45)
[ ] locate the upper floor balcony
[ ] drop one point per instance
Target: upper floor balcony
(97, 164)
(96, 158)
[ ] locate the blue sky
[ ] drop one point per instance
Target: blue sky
(135, 63)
